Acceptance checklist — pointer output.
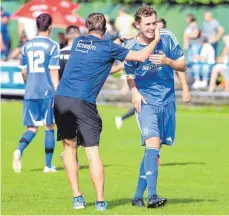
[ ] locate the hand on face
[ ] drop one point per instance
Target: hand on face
(157, 34)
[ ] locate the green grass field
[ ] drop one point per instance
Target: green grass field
(194, 175)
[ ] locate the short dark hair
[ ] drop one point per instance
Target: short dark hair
(43, 21)
(70, 28)
(163, 21)
(192, 18)
(96, 22)
(144, 11)
(60, 34)
(205, 40)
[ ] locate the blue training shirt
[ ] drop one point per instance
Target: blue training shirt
(89, 65)
(155, 82)
(39, 55)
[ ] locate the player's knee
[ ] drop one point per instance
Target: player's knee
(49, 127)
(33, 129)
(70, 143)
(153, 142)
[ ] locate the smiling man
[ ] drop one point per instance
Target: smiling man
(153, 96)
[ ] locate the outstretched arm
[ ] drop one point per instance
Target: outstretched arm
(143, 54)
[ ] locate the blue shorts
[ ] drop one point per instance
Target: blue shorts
(38, 112)
(158, 121)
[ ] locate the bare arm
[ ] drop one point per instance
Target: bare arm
(137, 98)
(20, 29)
(194, 34)
(23, 73)
(219, 33)
(54, 77)
(184, 84)
(186, 41)
(143, 54)
(15, 53)
(117, 68)
(178, 65)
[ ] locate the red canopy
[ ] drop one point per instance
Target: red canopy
(60, 11)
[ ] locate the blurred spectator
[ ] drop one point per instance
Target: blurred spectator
(5, 35)
(1, 11)
(221, 68)
(72, 32)
(27, 27)
(111, 33)
(212, 30)
(16, 52)
(161, 23)
(202, 65)
(124, 22)
(62, 40)
(192, 39)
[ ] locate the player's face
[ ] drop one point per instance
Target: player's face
(147, 26)
(207, 16)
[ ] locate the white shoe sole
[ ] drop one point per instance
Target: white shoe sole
(79, 207)
(16, 162)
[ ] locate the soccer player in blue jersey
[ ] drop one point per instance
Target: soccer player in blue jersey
(75, 110)
(39, 66)
(153, 96)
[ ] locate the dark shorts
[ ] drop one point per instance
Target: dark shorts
(77, 118)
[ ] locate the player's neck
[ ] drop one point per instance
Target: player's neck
(143, 40)
(43, 34)
(70, 42)
(96, 35)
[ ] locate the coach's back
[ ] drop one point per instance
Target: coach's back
(89, 65)
(39, 55)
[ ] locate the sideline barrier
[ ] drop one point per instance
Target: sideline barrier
(11, 79)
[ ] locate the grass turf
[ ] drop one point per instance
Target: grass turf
(194, 174)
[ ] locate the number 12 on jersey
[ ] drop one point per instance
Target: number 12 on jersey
(36, 61)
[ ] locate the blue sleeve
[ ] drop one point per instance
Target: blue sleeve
(118, 52)
(23, 59)
(55, 54)
(175, 49)
(129, 68)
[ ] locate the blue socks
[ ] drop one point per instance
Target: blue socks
(151, 170)
(141, 186)
(26, 138)
(49, 147)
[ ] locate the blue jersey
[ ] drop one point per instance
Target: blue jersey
(89, 65)
(39, 55)
(155, 82)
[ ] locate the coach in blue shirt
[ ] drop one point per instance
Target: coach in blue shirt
(76, 114)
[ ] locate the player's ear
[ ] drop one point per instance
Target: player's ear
(137, 24)
(50, 28)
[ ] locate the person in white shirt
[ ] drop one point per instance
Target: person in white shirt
(221, 68)
(27, 26)
(202, 65)
(124, 23)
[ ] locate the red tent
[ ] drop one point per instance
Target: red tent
(61, 12)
